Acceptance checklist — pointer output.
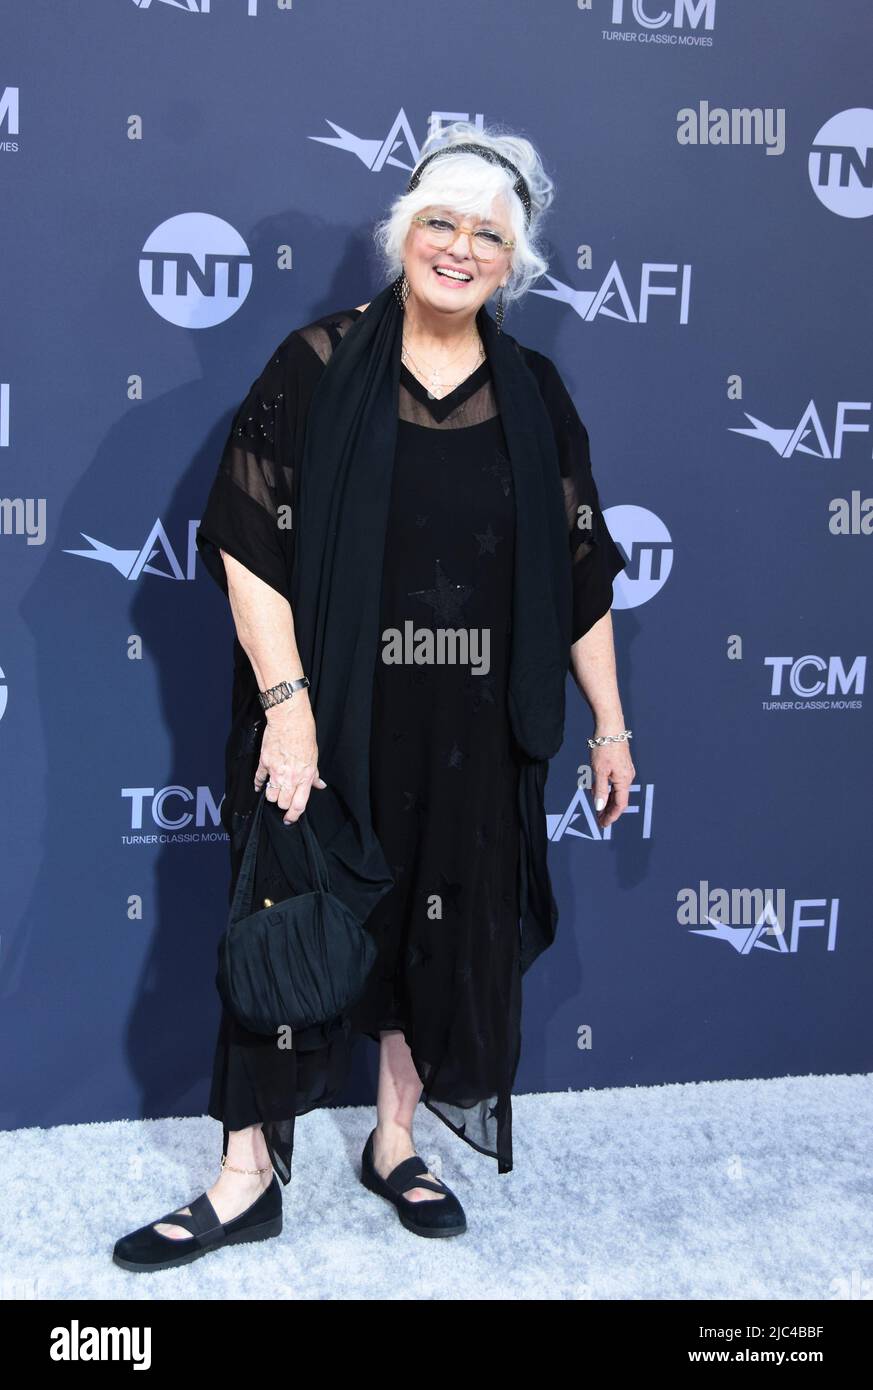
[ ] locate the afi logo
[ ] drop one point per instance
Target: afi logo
(193, 6)
(132, 563)
(841, 163)
(195, 270)
(378, 152)
(805, 673)
(682, 12)
(767, 934)
(793, 438)
(198, 807)
(612, 300)
(580, 812)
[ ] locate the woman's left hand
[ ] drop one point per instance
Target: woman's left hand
(611, 762)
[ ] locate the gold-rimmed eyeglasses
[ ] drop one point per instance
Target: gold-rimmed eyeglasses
(485, 243)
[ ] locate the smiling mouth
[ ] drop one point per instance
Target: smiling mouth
(457, 279)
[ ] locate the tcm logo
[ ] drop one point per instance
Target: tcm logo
(132, 563)
(579, 818)
(9, 112)
(195, 270)
(376, 153)
(646, 545)
(810, 676)
(172, 808)
(841, 163)
(613, 300)
(680, 14)
(808, 435)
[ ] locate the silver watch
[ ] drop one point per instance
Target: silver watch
(283, 691)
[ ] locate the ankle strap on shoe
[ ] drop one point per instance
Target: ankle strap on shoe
(231, 1169)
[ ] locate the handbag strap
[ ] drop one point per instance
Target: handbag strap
(243, 895)
(315, 855)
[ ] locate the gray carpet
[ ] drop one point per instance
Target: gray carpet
(733, 1189)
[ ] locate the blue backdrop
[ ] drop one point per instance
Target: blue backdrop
(184, 182)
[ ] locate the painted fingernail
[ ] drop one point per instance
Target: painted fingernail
(600, 803)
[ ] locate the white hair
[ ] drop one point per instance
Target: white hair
(469, 184)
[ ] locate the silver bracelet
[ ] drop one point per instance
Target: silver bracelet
(610, 738)
(283, 691)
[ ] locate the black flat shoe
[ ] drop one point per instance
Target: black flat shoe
(147, 1249)
(425, 1218)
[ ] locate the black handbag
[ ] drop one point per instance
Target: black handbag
(301, 961)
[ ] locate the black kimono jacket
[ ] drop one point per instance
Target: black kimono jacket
(250, 513)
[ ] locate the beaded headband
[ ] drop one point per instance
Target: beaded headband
(486, 152)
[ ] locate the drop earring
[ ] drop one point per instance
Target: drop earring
(401, 289)
(500, 310)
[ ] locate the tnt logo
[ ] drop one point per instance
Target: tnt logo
(647, 547)
(195, 270)
(841, 163)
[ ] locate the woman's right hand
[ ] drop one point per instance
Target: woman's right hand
(289, 756)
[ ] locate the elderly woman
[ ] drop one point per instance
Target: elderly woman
(400, 472)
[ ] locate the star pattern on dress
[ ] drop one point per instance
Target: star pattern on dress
(482, 690)
(500, 468)
(488, 541)
(450, 892)
(456, 757)
(445, 598)
(417, 955)
(414, 802)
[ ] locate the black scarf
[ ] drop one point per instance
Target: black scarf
(340, 523)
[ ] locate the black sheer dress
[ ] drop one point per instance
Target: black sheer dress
(444, 764)
(444, 773)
